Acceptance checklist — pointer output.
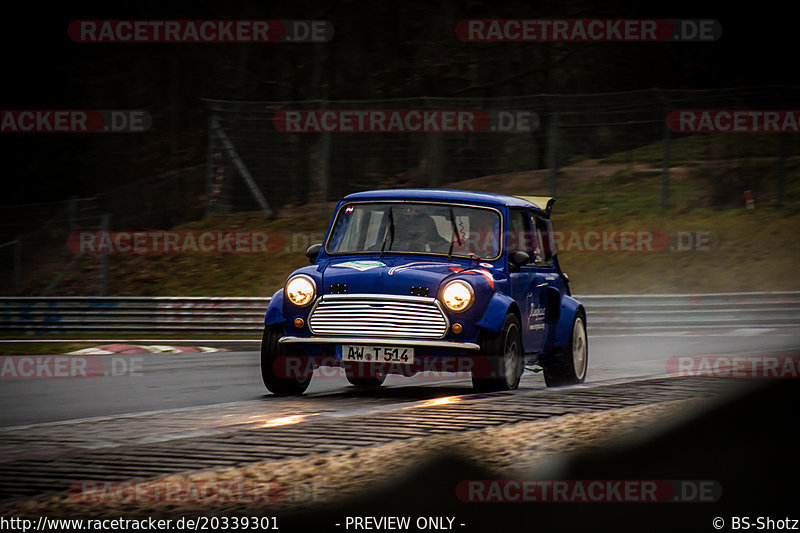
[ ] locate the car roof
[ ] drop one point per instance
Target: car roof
(458, 195)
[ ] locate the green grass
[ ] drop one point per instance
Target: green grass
(701, 147)
(753, 249)
(223, 274)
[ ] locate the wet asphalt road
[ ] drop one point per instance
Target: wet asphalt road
(190, 380)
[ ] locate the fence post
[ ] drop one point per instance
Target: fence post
(319, 168)
(17, 281)
(106, 259)
(321, 173)
(553, 149)
(665, 170)
(534, 152)
(666, 141)
(781, 177)
(436, 158)
(433, 153)
(210, 166)
(325, 167)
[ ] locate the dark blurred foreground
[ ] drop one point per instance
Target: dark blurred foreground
(747, 444)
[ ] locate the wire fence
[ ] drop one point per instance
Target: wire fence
(264, 155)
(34, 253)
(270, 156)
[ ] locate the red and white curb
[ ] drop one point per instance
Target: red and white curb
(133, 349)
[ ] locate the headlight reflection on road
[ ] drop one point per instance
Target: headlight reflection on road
(439, 401)
(284, 421)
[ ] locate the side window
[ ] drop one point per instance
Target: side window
(544, 240)
(519, 234)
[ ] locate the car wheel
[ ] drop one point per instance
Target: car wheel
(569, 366)
(365, 380)
(506, 359)
(275, 356)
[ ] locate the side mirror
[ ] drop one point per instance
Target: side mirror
(313, 252)
(517, 259)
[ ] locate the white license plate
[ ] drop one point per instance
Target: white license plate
(365, 353)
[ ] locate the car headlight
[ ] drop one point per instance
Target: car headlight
(457, 295)
(301, 290)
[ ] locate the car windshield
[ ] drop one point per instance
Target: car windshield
(416, 227)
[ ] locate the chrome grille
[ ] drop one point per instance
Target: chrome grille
(368, 315)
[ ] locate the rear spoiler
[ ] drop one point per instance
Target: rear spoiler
(544, 203)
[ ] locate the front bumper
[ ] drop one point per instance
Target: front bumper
(468, 346)
(430, 355)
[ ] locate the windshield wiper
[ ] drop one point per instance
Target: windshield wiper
(391, 230)
(455, 234)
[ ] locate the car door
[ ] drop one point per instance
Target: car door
(528, 286)
(550, 285)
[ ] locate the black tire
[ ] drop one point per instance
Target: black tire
(569, 365)
(372, 379)
(271, 350)
(506, 359)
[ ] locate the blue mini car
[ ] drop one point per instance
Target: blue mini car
(415, 280)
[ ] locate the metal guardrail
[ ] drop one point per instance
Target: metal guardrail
(693, 311)
(133, 314)
(242, 315)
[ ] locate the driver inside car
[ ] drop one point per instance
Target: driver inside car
(415, 231)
